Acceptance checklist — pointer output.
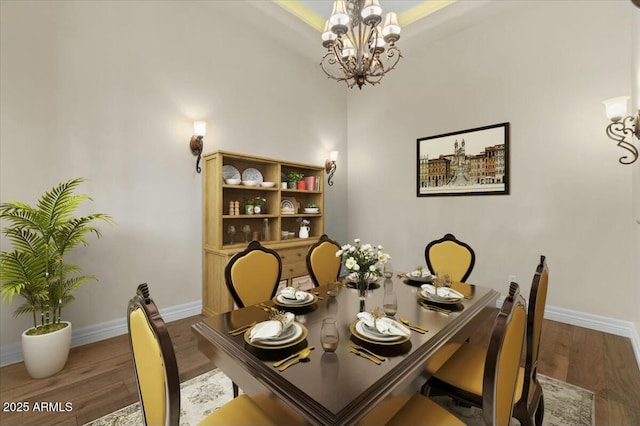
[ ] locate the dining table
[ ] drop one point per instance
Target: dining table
(342, 387)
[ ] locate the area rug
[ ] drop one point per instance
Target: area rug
(565, 404)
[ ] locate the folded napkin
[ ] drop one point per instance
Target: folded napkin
(272, 328)
(384, 325)
(443, 292)
(293, 293)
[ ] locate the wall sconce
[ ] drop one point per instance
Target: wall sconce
(331, 166)
(199, 130)
(623, 127)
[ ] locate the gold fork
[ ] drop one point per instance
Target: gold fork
(362, 348)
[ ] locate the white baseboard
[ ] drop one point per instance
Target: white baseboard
(593, 322)
(12, 353)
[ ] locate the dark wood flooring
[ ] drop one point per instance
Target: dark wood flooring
(98, 378)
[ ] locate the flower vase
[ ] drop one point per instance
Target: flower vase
(363, 286)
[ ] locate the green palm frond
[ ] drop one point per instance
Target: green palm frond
(75, 230)
(25, 240)
(58, 204)
(21, 215)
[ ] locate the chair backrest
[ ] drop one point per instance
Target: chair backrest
(537, 302)
(252, 276)
(322, 263)
(503, 360)
(450, 255)
(154, 361)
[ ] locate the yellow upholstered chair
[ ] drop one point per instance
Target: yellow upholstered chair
(252, 275)
(157, 373)
(498, 379)
(461, 375)
(452, 256)
(322, 263)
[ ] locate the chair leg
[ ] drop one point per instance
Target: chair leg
(540, 411)
(235, 390)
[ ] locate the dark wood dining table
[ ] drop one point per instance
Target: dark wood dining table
(340, 388)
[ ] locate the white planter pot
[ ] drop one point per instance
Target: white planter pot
(46, 354)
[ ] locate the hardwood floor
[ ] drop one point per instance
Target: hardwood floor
(98, 378)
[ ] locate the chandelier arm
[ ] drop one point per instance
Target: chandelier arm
(331, 60)
(392, 52)
(618, 131)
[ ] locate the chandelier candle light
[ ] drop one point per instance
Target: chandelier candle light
(359, 49)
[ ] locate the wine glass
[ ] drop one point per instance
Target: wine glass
(246, 229)
(390, 303)
(231, 230)
(329, 336)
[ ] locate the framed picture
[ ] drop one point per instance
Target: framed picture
(468, 162)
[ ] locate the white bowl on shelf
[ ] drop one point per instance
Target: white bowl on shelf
(232, 181)
(250, 182)
(267, 184)
(311, 210)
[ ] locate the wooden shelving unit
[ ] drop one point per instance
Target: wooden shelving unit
(220, 245)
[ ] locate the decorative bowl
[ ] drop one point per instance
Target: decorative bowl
(311, 210)
(267, 184)
(250, 182)
(232, 181)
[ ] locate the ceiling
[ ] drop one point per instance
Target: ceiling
(315, 12)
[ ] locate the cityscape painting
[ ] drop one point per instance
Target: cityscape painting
(468, 162)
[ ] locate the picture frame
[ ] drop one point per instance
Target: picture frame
(467, 162)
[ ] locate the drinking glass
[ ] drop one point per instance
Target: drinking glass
(329, 335)
(246, 230)
(332, 288)
(231, 230)
(390, 303)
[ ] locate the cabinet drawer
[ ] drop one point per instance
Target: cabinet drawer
(294, 261)
(293, 255)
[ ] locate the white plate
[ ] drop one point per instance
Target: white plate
(252, 174)
(230, 172)
(374, 334)
(282, 299)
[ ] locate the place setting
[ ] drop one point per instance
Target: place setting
(280, 331)
(440, 297)
(295, 298)
(375, 328)
(418, 276)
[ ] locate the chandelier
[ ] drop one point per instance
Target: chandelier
(359, 49)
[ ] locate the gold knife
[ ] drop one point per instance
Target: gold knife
(282, 361)
(365, 355)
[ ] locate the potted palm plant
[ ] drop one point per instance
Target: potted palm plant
(37, 270)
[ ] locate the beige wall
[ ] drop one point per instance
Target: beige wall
(108, 91)
(545, 67)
